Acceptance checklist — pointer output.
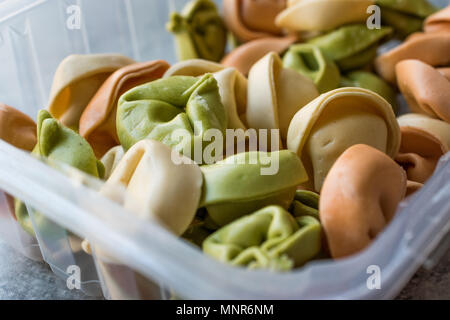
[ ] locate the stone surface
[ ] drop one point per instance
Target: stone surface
(21, 278)
(430, 285)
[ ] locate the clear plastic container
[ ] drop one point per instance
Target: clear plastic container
(62, 250)
(34, 37)
(120, 282)
(12, 233)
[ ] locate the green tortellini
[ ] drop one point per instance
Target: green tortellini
(306, 203)
(200, 32)
(418, 8)
(238, 186)
(61, 144)
(270, 238)
(405, 16)
(199, 229)
(196, 233)
(190, 105)
(22, 216)
(368, 80)
(403, 24)
(57, 143)
(351, 46)
(309, 61)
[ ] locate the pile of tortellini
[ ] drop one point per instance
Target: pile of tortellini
(307, 68)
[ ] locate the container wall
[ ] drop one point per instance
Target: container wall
(120, 282)
(157, 254)
(13, 234)
(63, 251)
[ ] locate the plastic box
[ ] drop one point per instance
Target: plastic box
(34, 38)
(12, 232)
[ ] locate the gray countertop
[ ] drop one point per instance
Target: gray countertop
(430, 284)
(21, 278)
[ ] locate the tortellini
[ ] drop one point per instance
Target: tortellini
(248, 181)
(98, 121)
(245, 56)
(351, 46)
(76, 81)
(368, 80)
(176, 111)
(197, 231)
(232, 86)
(271, 102)
(418, 8)
(322, 15)
(419, 153)
(306, 203)
(405, 16)
(250, 20)
(359, 198)
(438, 128)
(267, 239)
(321, 131)
(438, 22)
(17, 128)
(310, 61)
(57, 143)
(430, 48)
(111, 159)
(148, 183)
(425, 88)
(199, 31)
(424, 139)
